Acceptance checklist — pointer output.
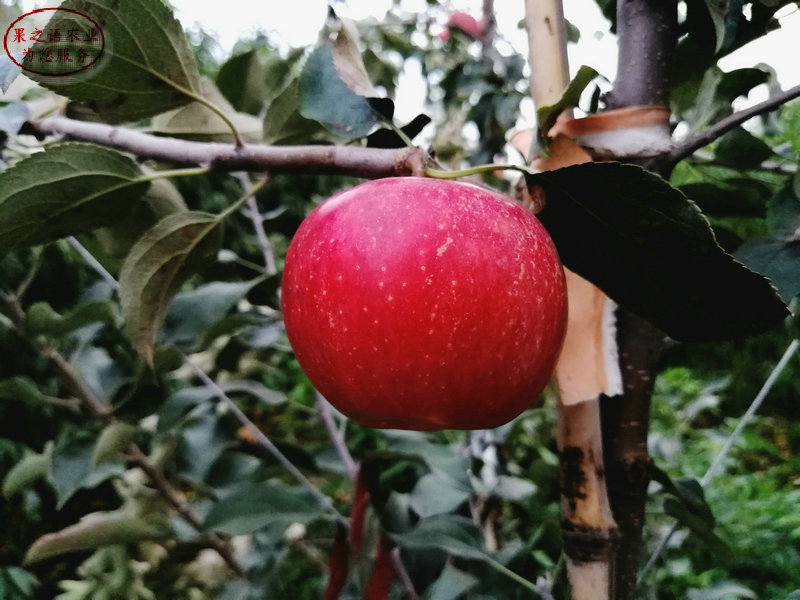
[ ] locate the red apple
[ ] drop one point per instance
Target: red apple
(416, 303)
(468, 24)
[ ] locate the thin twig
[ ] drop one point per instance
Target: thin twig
(258, 226)
(264, 441)
(93, 262)
(405, 579)
(370, 163)
(176, 500)
(720, 128)
(102, 412)
(337, 436)
(726, 448)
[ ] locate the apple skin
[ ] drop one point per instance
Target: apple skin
(416, 303)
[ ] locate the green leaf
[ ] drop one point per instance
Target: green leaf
(146, 68)
(651, 250)
(783, 215)
(197, 122)
(242, 80)
(191, 313)
(41, 319)
(700, 526)
(72, 468)
(97, 529)
(68, 189)
(453, 534)
(547, 115)
(283, 123)
(434, 495)
(451, 584)
(158, 264)
(324, 97)
(22, 389)
(113, 441)
(256, 505)
(741, 150)
(734, 197)
(717, 9)
(204, 437)
(795, 595)
(16, 583)
(160, 200)
(26, 472)
(777, 260)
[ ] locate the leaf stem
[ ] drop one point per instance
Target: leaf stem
(501, 568)
(726, 448)
(193, 95)
(437, 174)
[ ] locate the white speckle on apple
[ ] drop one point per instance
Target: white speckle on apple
(443, 248)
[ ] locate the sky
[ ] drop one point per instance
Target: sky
(300, 21)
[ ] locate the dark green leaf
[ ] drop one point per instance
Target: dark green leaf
(717, 9)
(742, 150)
(451, 584)
(700, 526)
(651, 250)
(42, 319)
(783, 215)
(22, 389)
(16, 584)
(686, 489)
(776, 259)
(191, 313)
(72, 468)
(256, 505)
(434, 495)
(447, 533)
(158, 264)
(146, 68)
(242, 80)
(197, 122)
(68, 189)
(324, 97)
(26, 472)
(736, 197)
(256, 390)
(204, 437)
(283, 123)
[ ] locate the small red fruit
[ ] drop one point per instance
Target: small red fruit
(416, 303)
(468, 24)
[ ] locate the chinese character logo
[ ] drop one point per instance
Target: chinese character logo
(54, 42)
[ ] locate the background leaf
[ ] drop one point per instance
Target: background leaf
(256, 505)
(324, 97)
(651, 250)
(159, 263)
(68, 189)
